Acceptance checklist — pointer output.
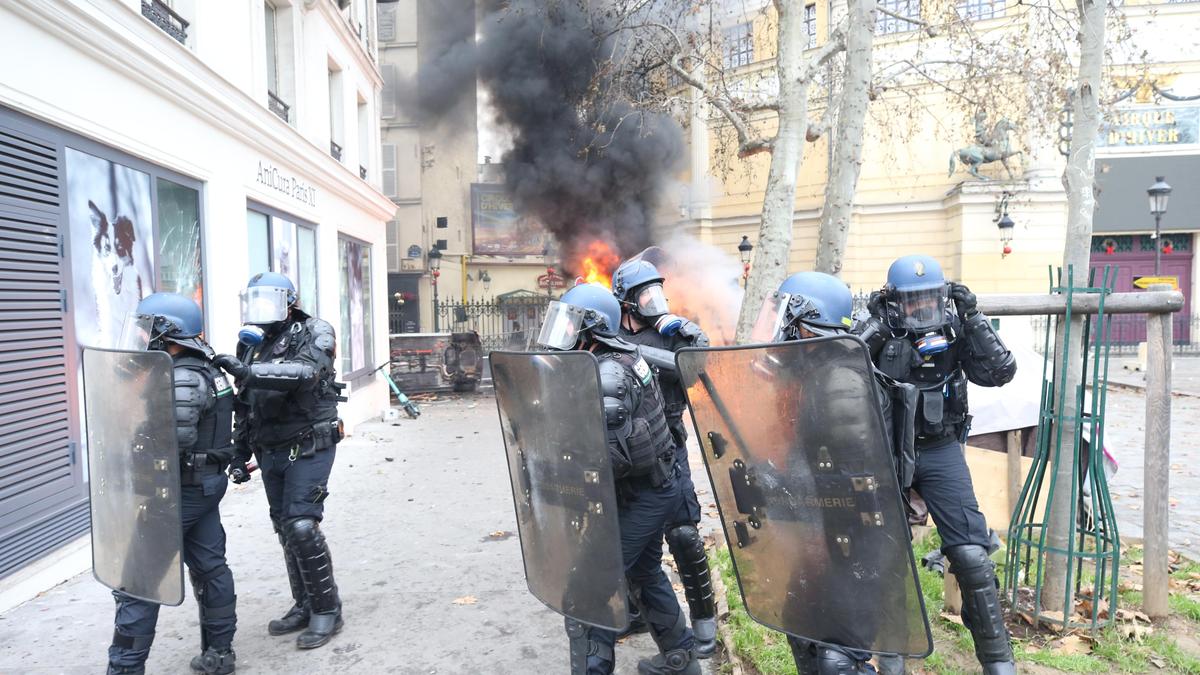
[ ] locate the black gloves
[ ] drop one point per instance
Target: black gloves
(876, 304)
(238, 472)
(963, 299)
(232, 365)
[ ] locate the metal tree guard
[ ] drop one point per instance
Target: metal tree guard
(1093, 546)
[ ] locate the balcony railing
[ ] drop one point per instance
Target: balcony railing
(335, 150)
(362, 172)
(277, 106)
(165, 18)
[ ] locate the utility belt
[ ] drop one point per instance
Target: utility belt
(320, 436)
(195, 466)
(662, 472)
(957, 431)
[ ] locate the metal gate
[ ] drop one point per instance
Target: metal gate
(42, 504)
(507, 322)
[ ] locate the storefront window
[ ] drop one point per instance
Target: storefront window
(179, 253)
(278, 244)
(259, 242)
(354, 339)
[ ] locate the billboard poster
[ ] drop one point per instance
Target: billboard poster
(499, 230)
(112, 245)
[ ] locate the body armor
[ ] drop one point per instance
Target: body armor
(639, 439)
(203, 411)
(290, 395)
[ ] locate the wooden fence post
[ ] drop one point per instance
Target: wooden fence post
(1157, 468)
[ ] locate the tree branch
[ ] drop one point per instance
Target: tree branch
(748, 142)
(815, 131)
(908, 19)
(836, 43)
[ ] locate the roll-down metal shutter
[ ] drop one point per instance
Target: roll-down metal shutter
(42, 504)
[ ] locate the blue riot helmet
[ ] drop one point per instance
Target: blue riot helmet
(916, 287)
(807, 304)
(268, 298)
(638, 285)
(586, 308)
(163, 317)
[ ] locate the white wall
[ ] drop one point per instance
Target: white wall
(100, 69)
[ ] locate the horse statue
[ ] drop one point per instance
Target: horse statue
(992, 148)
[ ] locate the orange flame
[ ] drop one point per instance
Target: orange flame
(597, 262)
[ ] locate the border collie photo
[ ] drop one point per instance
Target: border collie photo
(111, 238)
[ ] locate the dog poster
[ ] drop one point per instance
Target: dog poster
(112, 245)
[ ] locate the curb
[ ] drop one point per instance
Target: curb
(1141, 389)
(731, 657)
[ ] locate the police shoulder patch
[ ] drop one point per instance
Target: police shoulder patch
(642, 370)
(221, 385)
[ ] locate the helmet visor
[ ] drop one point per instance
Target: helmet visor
(560, 328)
(264, 304)
(923, 309)
(136, 332)
(651, 301)
(771, 318)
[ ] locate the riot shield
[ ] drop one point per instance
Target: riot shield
(563, 490)
(795, 446)
(133, 466)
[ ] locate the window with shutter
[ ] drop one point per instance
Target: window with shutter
(388, 171)
(387, 22)
(388, 95)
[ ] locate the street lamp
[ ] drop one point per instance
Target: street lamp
(1158, 193)
(744, 248)
(1004, 223)
(435, 271)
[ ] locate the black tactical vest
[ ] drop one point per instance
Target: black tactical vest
(674, 400)
(214, 431)
(648, 441)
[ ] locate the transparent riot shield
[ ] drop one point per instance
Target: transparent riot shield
(552, 417)
(133, 466)
(795, 446)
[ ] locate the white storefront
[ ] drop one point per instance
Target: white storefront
(185, 147)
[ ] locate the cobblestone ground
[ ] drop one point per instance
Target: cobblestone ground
(421, 527)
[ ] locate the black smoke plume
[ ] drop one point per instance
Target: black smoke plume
(584, 161)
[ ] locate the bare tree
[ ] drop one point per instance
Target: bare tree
(749, 116)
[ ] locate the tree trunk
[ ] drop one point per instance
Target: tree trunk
(774, 245)
(1081, 204)
(846, 160)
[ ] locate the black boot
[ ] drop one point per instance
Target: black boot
(307, 544)
(214, 661)
(837, 662)
(126, 670)
(673, 662)
(296, 618)
(981, 611)
(687, 547)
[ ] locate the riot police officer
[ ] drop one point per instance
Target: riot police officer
(810, 305)
(286, 415)
(203, 428)
(645, 320)
(643, 460)
(917, 339)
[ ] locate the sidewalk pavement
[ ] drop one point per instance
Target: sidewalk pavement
(1185, 374)
(421, 527)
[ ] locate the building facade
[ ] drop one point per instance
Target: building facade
(173, 146)
(907, 203)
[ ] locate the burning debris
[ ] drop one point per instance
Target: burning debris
(595, 263)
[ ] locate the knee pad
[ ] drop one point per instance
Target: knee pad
(981, 612)
(684, 537)
(832, 661)
(301, 533)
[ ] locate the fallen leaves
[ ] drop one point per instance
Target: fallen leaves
(953, 618)
(1072, 645)
(466, 600)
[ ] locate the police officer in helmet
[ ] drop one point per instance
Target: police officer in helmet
(643, 460)
(286, 415)
(646, 320)
(928, 333)
(203, 400)
(811, 305)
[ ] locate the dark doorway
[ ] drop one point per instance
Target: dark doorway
(404, 303)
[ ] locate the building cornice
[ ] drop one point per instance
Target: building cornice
(113, 33)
